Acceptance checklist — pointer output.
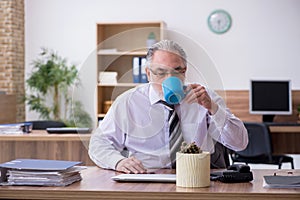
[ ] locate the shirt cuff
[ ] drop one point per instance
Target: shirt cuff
(114, 160)
(219, 117)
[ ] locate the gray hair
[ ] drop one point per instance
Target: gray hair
(167, 45)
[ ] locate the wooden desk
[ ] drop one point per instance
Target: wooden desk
(41, 145)
(285, 139)
(97, 184)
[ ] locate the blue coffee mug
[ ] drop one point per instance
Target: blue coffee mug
(173, 90)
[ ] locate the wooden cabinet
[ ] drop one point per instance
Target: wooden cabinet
(117, 45)
(40, 145)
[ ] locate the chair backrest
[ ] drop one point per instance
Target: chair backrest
(220, 158)
(259, 141)
(43, 124)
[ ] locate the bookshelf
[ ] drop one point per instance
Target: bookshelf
(117, 44)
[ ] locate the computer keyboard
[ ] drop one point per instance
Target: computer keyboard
(63, 130)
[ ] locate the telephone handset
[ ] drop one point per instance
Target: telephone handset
(235, 173)
(239, 168)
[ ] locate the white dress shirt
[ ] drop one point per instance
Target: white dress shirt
(136, 121)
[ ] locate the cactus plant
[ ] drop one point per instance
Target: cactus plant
(191, 148)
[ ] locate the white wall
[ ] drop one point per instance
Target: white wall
(264, 40)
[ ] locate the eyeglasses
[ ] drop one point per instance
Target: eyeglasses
(161, 73)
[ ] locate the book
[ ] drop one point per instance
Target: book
(40, 172)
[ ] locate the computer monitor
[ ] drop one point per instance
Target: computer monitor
(270, 98)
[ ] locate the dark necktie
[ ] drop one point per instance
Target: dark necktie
(175, 135)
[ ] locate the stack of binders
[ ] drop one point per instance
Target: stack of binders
(139, 70)
(40, 172)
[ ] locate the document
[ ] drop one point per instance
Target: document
(289, 181)
(40, 172)
(18, 128)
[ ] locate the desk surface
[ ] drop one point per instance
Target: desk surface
(284, 129)
(97, 184)
(42, 135)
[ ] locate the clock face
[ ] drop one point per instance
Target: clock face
(219, 21)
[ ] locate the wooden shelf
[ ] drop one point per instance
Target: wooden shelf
(118, 43)
(120, 53)
(118, 84)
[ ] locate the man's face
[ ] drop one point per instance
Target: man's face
(165, 64)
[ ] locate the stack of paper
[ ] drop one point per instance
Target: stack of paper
(18, 128)
(108, 77)
(290, 181)
(40, 172)
(107, 51)
(11, 129)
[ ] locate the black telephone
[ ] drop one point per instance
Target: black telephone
(235, 173)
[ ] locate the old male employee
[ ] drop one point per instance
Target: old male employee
(141, 131)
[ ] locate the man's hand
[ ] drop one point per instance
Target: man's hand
(197, 93)
(131, 165)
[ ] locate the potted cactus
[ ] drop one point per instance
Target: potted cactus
(192, 166)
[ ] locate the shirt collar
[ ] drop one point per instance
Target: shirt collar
(153, 95)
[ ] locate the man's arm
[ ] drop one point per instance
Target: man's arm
(103, 150)
(106, 145)
(223, 125)
(226, 128)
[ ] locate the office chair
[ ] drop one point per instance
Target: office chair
(259, 149)
(44, 124)
(220, 158)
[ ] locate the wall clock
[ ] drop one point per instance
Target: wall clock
(219, 21)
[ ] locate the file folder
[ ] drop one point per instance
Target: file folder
(136, 70)
(40, 172)
(281, 182)
(39, 164)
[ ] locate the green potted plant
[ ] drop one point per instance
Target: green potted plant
(50, 85)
